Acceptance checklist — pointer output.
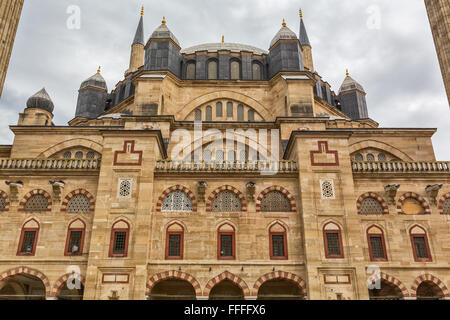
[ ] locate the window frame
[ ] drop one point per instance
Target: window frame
(233, 244)
(427, 245)
(69, 232)
(325, 239)
(168, 234)
(22, 235)
(208, 76)
(112, 240)
(285, 248)
(383, 244)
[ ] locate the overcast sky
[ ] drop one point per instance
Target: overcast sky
(387, 46)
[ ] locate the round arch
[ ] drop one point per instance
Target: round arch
(413, 195)
(70, 195)
(174, 188)
(22, 203)
(431, 278)
(30, 271)
(86, 143)
(442, 201)
(379, 145)
(152, 281)
(59, 284)
(374, 196)
(223, 276)
(223, 188)
(279, 275)
(284, 191)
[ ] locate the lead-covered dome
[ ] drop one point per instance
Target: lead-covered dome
(284, 34)
(41, 100)
(350, 84)
(215, 47)
(96, 81)
(163, 32)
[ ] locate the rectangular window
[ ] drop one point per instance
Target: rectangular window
(28, 240)
(278, 246)
(75, 242)
(377, 251)
(333, 245)
(120, 243)
(421, 248)
(226, 246)
(174, 246)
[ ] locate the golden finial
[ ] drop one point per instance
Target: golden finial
(142, 11)
(284, 23)
(164, 20)
(99, 69)
(223, 39)
(301, 14)
(346, 73)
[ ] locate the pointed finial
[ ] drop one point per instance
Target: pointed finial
(223, 39)
(301, 14)
(99, 69)
(142, 11)
(284, 23)
(164, 20)
(346, 73)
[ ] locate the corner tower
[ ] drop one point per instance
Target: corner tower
(353, 99)
(92, 97)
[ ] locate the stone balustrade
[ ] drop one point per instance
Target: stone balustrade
(400, 167)
(227, 166)
(49, 164)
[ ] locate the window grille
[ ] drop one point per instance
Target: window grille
(177, 201)
(370, 157)
(359, 157)
(90, 155)
(371, 206)
(79, 203)
(327, 187)
(175, 245)
(67, 155)
(2, 204)
(275, 201)
(207, 155)
(120, 241)
(382, 157)
(75, 242)
(334, 248)
(421, 247)
(79, 155)
(226, 245)
(226, 201)
(198, 115)
(231, 155)
(219, 155)
(28, 241)
(446, 206)
(376, 243)
(278, 245)
(37, 203)
(125, 188)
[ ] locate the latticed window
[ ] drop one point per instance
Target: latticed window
(174, 245)
(2, 204)
(177, 201)
(67, 155)
(275, 201)
(79, 203)
(75, 242)
(37, 203)
(333, 244)
(327, 187)
(446, 206)
(371, 206)
(278, 245)
(125, 188)
(376, 245)
(28, 242)
(370, 157)
(359, 157)
(79, 155)
(420, 246)
(226, 201)
(90, 155)
(382, 157)
(226, 245)
(120, 242)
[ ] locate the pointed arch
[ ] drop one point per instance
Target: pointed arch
(59, 284)
(393, 281)
(279, 275)
(72, 194)
(152, 281)
(374, 196)
(226, 275)
(33, 193)
(166, 192)
(413, 195)
(30, 271)
(223, 188)
(5, 205)
(432, 278)
(278, 188)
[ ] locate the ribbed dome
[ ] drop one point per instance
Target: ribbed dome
(41, 100)
(350, 84)
(163, 32)
(95, 81)
(214, 47)
(284, 34)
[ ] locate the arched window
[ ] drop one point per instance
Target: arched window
(257, 71)
(174, 242)
(79, 203)
(207, 155)
(243, 156)
(226, 201)
(412, 206)
(79, 155)
(212, 70)
(198, 115)
(382, 157)
(219, 155)
(275, 201)
(219, 110)
(177, 201)
(240, 112)
(333, 241)
(446, 207)
(190, 71)
(419, 242)
(370, 157)
(208, 113)
(37, 203)
(278, 242)
(230, 110)
(28, 238)
(119, 239)
(377, 246)
(90, 155)
(231, 155)
(67, 155)
(359, 157)
(75, 238)
(226, 247)
(235, 70)
(251, 116)
(371, 206)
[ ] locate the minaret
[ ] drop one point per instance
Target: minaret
(306, 45)
(353, 99)
(137, 48)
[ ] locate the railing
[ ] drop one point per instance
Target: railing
(49, 164)
(419, 166)
(227, 166)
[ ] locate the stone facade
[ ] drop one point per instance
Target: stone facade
(9, 20)
(439, 16)
(104, 208)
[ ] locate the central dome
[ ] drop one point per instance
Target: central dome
(233, 47)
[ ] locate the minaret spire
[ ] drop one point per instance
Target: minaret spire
(303, 35)
(139, 37)
(137, 47)
(306, 45)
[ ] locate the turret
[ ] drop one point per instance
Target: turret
(353, 99)
(162, 51)
(137, 47)
(285, 53)
(39, 110)
(306, 45)
(92, 97)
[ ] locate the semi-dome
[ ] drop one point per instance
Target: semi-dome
(41, 100)
(163, 32)
(284, 34)
(350, 84)
(215, 47)
(96, 81)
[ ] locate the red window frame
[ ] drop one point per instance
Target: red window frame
(111, 243)
(341, 247)
(22, 234)
(67, 251)
(427, 245)
(285, 249)
(233, 245)
(383, 245)
(181, 234)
